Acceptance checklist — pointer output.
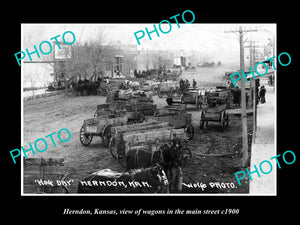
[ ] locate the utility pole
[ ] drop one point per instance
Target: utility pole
(252, 64)
(253, 53)
(147, 67)
(241, 34)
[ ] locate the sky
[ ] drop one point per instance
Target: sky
(207, 38)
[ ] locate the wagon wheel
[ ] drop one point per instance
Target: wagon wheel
(106, 135)
(224, 119)
(113, 148)
(202, 119)
(140, 117)
(85, 138)
(227, 122)
(189, 130)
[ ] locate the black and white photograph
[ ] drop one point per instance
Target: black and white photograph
(107, 111)
(137, 112)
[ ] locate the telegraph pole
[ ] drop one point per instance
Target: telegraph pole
(253, 53)
(252, 64)
(241, 34)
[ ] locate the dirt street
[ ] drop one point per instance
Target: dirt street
(47, 115)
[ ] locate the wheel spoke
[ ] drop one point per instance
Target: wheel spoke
(122, 160)
(106, 135)
(85, 139)
(189, 129)
(113, 148)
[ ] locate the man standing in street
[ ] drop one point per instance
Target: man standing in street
(262, 94)
(194, 83)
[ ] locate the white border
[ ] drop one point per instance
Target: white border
(170, 194)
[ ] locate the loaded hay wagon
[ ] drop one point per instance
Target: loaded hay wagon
(148, 136)
(100, 126)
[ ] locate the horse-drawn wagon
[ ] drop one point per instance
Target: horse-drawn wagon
(216, 110)
(176, 117)
(135, 112)
(148, 136)
(149, 143)
(100, 126)
(214, 114)
(191, 96)
(103, 109)
(168, 88)
(128, 96)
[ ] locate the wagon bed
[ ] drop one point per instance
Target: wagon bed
(216, 113)
(176, 117)
(148, 135)
(135, 112)
(100, 126)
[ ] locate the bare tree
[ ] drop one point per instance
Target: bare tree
(91, 58)
(155, 58)
(31, 78)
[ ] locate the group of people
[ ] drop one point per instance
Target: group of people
(262, 94)
(185, 84)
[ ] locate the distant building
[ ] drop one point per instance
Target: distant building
(92, 60)
(180, 61)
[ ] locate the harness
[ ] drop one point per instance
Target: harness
(158, 184)
(162, 161)
(161, 157)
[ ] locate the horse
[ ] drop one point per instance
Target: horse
(86, 87)
(169, 156)
(146, 180)
(93, 86)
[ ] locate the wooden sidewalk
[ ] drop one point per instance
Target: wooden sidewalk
(264, 146)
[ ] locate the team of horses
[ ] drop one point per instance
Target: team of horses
(161, 169)
(85, 87)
